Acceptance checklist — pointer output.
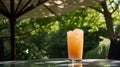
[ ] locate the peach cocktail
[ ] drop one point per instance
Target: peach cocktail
(75, 44)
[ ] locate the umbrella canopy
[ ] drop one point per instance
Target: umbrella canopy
(14, 9)
(41, 8)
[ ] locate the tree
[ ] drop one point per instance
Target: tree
(107, 9)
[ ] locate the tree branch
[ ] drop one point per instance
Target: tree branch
(100, 11)
(26, 32)
(115, 8)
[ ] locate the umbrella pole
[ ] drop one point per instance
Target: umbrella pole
(12, 37)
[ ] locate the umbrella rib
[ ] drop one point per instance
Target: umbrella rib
(25, 11)
(3, 9)
(29, 8)
(50, 10)
(3, 6)
(3, 13)
(20, 1)
(23, 8)
(26, 5)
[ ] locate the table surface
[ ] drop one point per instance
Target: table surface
(61, 63)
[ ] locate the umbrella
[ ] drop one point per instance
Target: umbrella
(14, 9)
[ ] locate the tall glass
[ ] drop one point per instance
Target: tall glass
(75, 44)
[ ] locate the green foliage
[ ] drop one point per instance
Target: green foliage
(73, 20)
(7, 49)
(27, 51)
(57, 46)
(4, 28)
(117, 30)
(101, 51)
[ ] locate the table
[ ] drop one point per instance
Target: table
(62, 63)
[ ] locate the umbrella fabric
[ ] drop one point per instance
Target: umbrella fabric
(49, 8)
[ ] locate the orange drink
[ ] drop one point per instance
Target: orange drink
(75, 44)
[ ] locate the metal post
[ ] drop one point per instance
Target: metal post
(13, 45)
(1, 49)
